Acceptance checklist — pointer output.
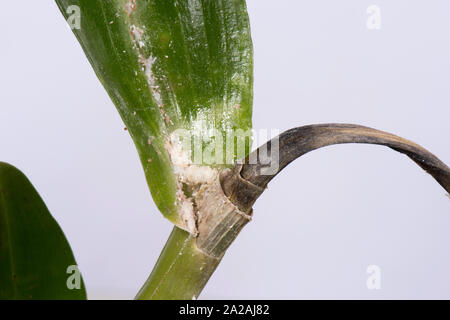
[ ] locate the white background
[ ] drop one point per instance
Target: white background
(323, 220)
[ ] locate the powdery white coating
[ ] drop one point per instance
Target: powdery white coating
(186, 212)
(130, 6)
(137, 34)
(187, 171)
(198, 174)
(191, 175)
(151, 79)
(147, 65)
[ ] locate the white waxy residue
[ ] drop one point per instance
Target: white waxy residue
(188, 174)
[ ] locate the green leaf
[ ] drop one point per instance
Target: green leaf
(34, 253)
(169, 65)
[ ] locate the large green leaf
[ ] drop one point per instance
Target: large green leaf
(170, 65)
(36, 261)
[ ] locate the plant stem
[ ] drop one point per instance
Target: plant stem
(187, 262)
(296, 142)
(181, 271)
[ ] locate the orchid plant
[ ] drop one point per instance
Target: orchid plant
(180, 73)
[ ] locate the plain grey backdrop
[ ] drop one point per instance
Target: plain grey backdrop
(323, 221)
